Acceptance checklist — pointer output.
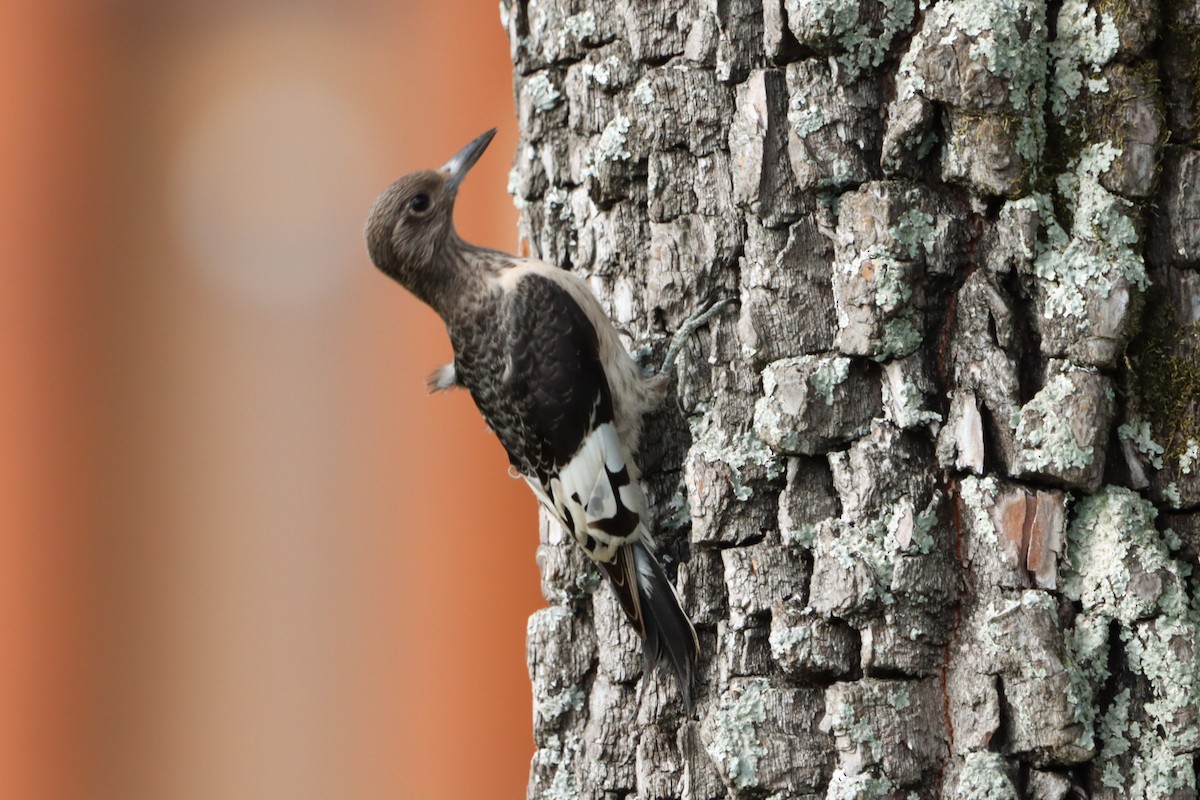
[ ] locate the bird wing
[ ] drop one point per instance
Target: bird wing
(562, 437)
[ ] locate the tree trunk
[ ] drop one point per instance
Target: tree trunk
(932, 488)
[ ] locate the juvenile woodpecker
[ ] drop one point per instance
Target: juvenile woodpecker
(547, 370)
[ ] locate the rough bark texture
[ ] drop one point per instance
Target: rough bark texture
(933, 487)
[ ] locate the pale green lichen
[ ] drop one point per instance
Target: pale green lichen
(1085, 643)
(714, 444)
(909, 531)
(562, 754)
(839, 171)
(643, 93)
(1005, 622)
(1044, 433)
(1172, 540)
(801, 535)
(1008, 38)
(612, 145)
(864, 542)
(1138, 432)
(679, 509)
(990, 648)
(1099, 251)
(901, 336)
(1165, 652)
(879, 543)
(805, 115)
(842, 718)
(979, 496)
(1086, 40)
(916, 231)
(1098, 214)
(862, 786)
(835, 24)
(899, 697)
(1189, 456)
(984, 776)
(1155, 748)
(1031, 138)
(561, 595)
(561, 41)
(1087, 646)
(1114, 725)
(735, 747)
(580, 26)
(1016, 52)
(1012, 207)
(786, 641)
(552, 706)
(831, 373)
(1122, 575)
(1171, 494)
(904, 404)
(893, 281)
(1111, 531)
(866, 49)
(558, 199)
(542, 92)
(601, 73)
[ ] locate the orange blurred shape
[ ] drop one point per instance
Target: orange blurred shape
(138, 624)
(45, 447)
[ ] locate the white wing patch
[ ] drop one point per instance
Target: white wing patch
(585, 498)
(645, 571)
(443, 378)
(602, 504)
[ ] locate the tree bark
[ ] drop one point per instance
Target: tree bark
(932, 487)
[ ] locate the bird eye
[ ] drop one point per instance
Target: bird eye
(419, 204)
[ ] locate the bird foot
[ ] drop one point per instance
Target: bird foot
(690, 326)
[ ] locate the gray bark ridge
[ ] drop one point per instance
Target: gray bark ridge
(932, 490)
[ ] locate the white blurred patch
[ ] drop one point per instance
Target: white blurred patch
(267, 190)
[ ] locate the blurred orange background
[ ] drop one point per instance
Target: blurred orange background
(243, 554)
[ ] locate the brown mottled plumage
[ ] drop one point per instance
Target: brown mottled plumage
(548, 372)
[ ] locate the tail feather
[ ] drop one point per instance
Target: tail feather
(652, 605)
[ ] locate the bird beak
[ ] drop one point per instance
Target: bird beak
(457, 167)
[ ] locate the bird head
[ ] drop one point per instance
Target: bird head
(412, 221)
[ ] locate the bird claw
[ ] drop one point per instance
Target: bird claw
(690, 326)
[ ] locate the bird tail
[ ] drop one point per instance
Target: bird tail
(652, 605)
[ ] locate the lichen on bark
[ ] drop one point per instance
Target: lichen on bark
(931, 490)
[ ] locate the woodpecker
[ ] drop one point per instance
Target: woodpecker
(548, 372)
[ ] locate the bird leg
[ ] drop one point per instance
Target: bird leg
(690, 326)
